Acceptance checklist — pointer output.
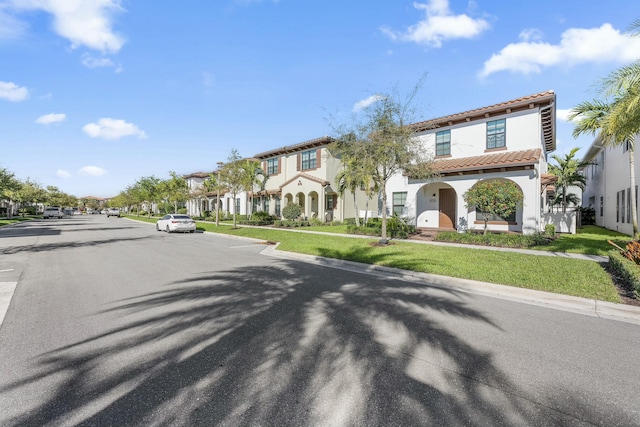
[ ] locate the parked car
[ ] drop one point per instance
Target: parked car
(176, 222)
(52, 212)
(113, 212)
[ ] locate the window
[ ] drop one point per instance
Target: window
(308, 160)
(443, 143)
(496, 134)
(277, 210)
(266, 204)
(272, 166)
(628, 205)
(237, 211)
(601, 205)
(330, 205)
(622, 206)
(399, 199)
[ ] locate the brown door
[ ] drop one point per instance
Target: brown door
(447, 208)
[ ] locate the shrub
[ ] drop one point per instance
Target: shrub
(182, 211)
(494, 239)
(627, 269)
(587, 216)
(292, 212)
(550, 230)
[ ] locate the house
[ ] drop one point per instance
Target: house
(608, 188)
(510, 140)
(304, 174)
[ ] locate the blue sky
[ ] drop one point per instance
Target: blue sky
(96, 94)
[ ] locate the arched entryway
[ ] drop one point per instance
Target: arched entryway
(436, 206)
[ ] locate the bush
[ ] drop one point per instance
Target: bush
(550, 230)
(494, 239)
(182, 211)
(587, 216)
(292, 212)
(627, 269)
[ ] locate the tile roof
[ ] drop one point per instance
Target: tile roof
(506, 159)
(317, 142)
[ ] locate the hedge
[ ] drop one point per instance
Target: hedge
(627, 269)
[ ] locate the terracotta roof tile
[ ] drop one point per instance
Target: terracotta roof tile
(506, 159)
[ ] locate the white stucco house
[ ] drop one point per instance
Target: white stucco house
(202, 201)
(510, 140)
(608, 189)
(305, 173)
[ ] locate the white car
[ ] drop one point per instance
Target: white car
(176, 222)
(52, 212)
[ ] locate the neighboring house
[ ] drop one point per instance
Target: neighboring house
(304, 174)
(202, 201)
(510, 140)
(608, 189)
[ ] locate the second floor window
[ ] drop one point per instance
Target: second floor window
(272, 166)
(443, 143)
(496, 134)
(308, 160)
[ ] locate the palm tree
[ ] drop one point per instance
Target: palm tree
(568, 173)
(617, 121)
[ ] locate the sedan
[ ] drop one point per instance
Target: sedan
(174, 222)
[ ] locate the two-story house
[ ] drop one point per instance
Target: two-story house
(510, 140)
(608, 187)
(304, 174)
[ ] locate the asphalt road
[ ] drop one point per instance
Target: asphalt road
(114, 324)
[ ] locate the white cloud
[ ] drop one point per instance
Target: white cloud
(563, 114)
(92, 171)
(82, 22)
(51, 118)
(108, 128)
(577, 45)
(91, 61)
(12, 92)
(365, 103)
(62, 174)
(438, 25)
(10, 27)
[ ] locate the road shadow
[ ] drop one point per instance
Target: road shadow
(285, 346)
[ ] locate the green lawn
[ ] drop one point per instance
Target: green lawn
(6, 221)
(560, 275)
(590, 240)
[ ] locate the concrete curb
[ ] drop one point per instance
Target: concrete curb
(586, 306)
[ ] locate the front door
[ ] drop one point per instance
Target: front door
(447, 205)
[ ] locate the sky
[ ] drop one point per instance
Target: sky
(95, 94)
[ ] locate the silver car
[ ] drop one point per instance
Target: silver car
(176, 222)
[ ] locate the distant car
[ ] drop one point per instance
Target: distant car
(176, 222)
(113, 212)
(52, 212)
(103, 212)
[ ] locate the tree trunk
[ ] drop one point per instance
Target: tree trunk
(632, 179)
(383, 237)
(355, 205)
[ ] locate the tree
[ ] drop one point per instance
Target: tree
(567, 170)
(253, 172)
(384, 142)
(8, 185)
(616, 119)
(175, 190)
(236, 175)
(499, 197)
(149, 191)
(29, 192)
(353, 176)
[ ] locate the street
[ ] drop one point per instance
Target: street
(115, 324)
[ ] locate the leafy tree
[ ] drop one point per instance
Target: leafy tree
(616, 119)
(175, 190)
(253, 171)
(29, 192)
(498, 197)
(567, 170)
(149, 190)
(237, 175)
(8, 185)
(383, 140)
